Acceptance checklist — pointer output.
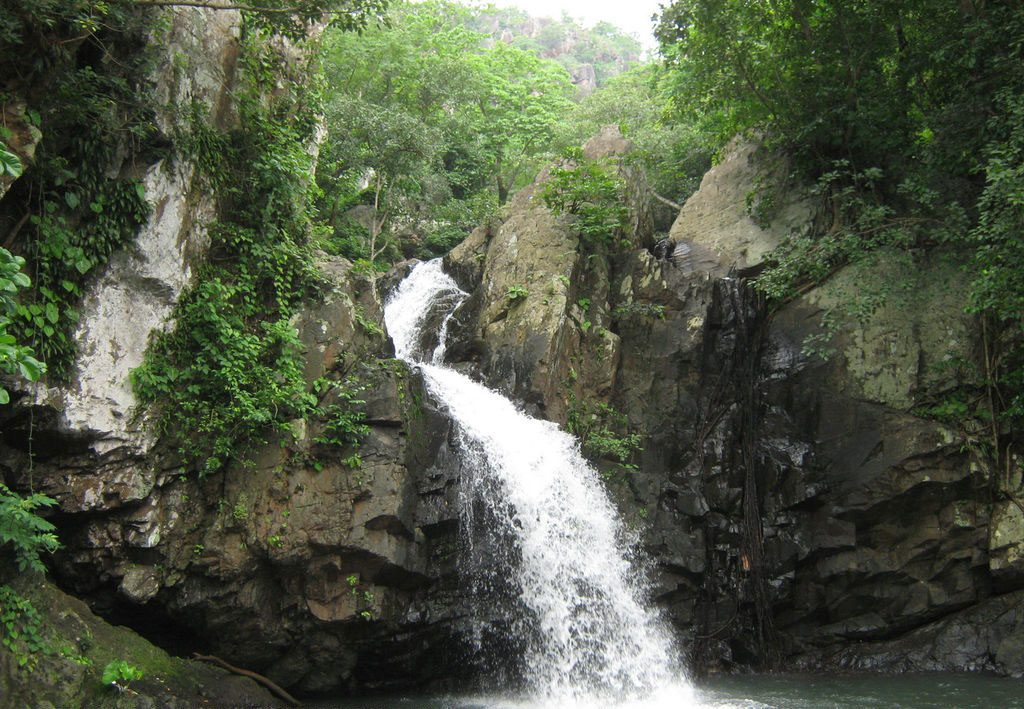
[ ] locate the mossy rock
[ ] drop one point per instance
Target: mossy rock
(78, 645)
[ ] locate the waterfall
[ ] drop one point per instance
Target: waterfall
(555, 566)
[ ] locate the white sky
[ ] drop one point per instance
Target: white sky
(633, 16)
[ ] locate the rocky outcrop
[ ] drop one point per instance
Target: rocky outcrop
(537, 319)
(141, 285)
(319, 564)
(797, 506)
(720, 216)
(987, 637)
(584, 78)
(515, 325)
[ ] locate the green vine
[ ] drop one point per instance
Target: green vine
(232, 369)
(21, 629)
(79, 201)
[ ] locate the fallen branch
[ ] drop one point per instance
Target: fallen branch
(664, 200)
(274, 689)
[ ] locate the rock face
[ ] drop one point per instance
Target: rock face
(141, 285)
(796, 507)
(318, 564)
(537, 319)
(717, 216)
(524, 271)
(584, 78)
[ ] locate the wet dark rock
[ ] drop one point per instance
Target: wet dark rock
(988, 637)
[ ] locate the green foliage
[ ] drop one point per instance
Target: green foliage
(10, 164)
(453, 219)
(592, 193)
(951, 410)
(517, 293)
(673, 152)
(234, 382)
(362, 596)
(636, 309)
(344, 418)
(25, 530)
(293, 20)
(604, 434)
(605, 47)
(864, 224)
(430, 129)
(998, 288)
(368, 326)
(91, 111)
(64, 250)
(119, 674)
(521, 99)
(232, 369)
(830, 77)
(21, 628)
(15, 358)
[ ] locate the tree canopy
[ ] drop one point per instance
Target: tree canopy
(431, 125)
(910, 115)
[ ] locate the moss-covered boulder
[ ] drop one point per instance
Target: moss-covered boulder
(73, 648)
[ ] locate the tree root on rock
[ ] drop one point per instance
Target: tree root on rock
(274, 689)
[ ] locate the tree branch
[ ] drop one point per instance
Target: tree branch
(664, 200)
(210, 5)
(275, 689)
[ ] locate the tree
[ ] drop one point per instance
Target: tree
(388, 150)
(429, 127)
(396, 145)
(674, 152)
(521, 98)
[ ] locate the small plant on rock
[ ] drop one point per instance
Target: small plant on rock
(120, 674)
(516, 293)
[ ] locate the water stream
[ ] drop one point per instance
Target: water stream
(549, 565)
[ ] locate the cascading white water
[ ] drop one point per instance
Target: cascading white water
(586, 635)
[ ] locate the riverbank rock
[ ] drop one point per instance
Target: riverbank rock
(77, 646)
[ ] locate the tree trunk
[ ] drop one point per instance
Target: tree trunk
(502, 187)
